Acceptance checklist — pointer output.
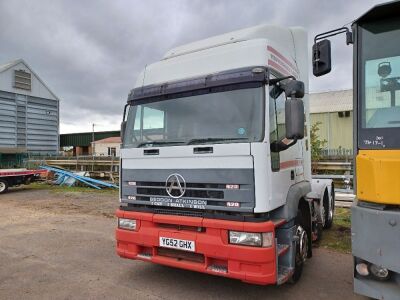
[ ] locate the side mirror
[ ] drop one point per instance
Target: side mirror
(384, 69)
(321, 57)
(294, 119)
(294, 125)
(123, 128)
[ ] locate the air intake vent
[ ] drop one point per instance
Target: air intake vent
(22, 80)
(185, 213)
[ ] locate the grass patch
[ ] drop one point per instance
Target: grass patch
(338, 238)
(70, 189)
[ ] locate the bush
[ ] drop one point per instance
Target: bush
(317, 145)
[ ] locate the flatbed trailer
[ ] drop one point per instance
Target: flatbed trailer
(13, 177)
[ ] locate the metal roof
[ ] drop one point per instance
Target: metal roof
(83, 139)
(12, 63)
(332, 101)
(109, 140)
(9, 65)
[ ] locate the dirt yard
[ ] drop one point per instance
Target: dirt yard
(60, 245)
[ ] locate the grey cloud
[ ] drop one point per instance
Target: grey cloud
(90, 52)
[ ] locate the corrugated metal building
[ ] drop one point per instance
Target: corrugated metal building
(29, 112)
(82, 141)
(334, 110)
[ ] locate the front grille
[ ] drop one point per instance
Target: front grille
(188, 184)
(205, 190)
(175, 212)
(193, 190)
(203, 194)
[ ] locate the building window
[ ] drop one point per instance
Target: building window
(344, 114)
(22, 80)
(112, 151)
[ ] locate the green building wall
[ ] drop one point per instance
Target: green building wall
(336, 130)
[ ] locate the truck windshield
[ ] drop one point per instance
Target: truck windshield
(223, 117)
(380, 84)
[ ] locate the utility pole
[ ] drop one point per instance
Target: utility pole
(93, 146)
(93, 139)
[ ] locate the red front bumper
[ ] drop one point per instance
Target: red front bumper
(214, 255)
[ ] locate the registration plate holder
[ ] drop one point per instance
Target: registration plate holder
(179, 244)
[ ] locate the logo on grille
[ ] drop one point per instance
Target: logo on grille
(175, 186)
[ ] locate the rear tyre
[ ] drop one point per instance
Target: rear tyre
(28, 180)
(301, 246)
(3, 186)
(329, 208)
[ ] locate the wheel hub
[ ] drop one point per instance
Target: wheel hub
(303, 242)
(331, 208)
(323, 220)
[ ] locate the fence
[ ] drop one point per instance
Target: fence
(337, 154)
(340, 171)
(97, 166)
(108, 167)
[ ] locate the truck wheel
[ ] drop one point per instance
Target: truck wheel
(28, 180)
(3, 186)
(318, 232)
(329, 208)
(301, 246)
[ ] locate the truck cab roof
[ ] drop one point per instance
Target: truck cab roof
(264, 45)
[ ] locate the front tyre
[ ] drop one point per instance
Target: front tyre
(301, 246)
(3, 186)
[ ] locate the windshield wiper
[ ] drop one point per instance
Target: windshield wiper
(206, 140)
(155, 143)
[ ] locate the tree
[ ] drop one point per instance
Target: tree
(317, 145)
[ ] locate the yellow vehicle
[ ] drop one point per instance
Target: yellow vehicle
(376, 81)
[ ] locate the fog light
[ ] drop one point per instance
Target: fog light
(251, 238)
(127, 224)
(362, 269)
(379, 272)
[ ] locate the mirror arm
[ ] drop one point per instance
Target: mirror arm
(324, 35)
(349, 35)
(276, 80)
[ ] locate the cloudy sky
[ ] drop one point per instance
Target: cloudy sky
(90, 52)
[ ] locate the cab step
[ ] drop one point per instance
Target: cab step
(284, 274)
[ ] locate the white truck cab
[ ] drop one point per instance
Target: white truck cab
(215, 165)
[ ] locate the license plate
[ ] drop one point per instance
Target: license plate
(177, 244)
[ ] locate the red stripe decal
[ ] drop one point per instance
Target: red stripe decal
(277, 53)
(290, 164)
(278, 67)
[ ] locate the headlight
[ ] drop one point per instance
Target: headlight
(264, 239)
(127, 224)
(379, 272)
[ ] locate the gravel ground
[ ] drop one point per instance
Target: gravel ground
(60, 245)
